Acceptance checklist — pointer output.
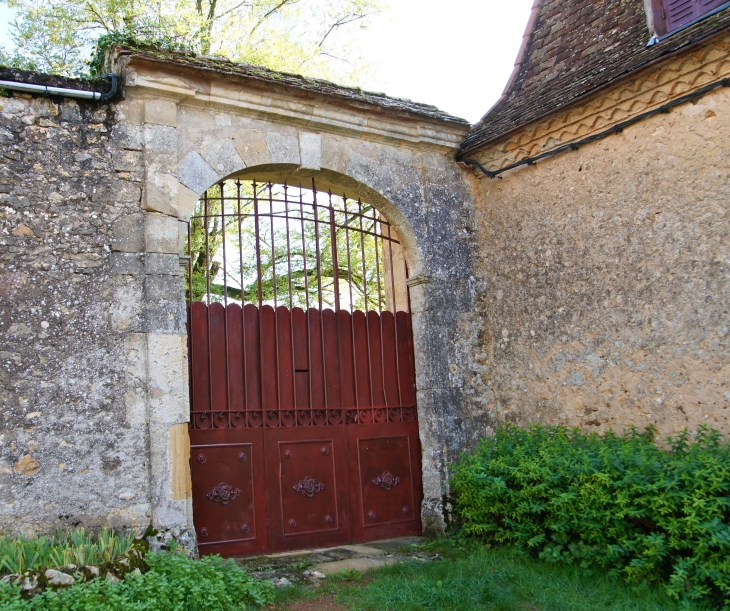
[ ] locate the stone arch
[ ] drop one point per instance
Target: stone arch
(329, 179)
(399, 163)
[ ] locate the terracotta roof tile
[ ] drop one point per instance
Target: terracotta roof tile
(577, 47)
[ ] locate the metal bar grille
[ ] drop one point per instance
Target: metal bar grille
(261, 255)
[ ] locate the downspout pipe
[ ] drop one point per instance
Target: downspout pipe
(63, 92)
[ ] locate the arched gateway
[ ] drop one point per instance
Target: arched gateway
(303, 423)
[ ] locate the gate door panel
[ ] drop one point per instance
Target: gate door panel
(307, 492)
(228, 491)
(385, 476)
(303, 420)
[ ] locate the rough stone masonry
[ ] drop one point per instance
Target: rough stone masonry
(95, 200)
(71, 453)
(589, 289)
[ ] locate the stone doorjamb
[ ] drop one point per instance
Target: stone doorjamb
(194, 130)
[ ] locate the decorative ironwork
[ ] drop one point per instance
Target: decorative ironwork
(288, 454)
(328, 519)
(204, 532)
(242, 457)
(406, 510)
(309, 487)
(386, 480)
(372, 515)
(223, 494)
(325, 451)
(275, 260)
(293, 523)
(245, 529)
(201, 458)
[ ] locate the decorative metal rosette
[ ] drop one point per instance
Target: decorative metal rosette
(223, 494)
(309, 487)
(386, 480)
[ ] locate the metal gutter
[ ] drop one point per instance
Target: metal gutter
(618, 128)
(47, 90)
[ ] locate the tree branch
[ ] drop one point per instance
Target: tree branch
(341, 22)
(277, 8)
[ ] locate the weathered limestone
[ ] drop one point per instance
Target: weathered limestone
(73, 432)
(167, 142)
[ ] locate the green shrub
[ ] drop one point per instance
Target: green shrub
(77, 547)
(172, 583)
(620, 503)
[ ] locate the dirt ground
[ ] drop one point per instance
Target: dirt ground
(324, 603)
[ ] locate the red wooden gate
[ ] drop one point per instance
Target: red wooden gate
(303, 419)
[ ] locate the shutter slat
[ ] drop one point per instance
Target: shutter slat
(680, 12)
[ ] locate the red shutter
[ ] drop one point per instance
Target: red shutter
(708, 5)
(679, 12)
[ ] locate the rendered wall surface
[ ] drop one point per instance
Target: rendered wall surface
(604, 280)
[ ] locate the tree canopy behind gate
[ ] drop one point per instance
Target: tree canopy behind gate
(310, 37)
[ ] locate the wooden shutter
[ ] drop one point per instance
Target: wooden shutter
(679, 12)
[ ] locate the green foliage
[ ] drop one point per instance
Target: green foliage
(619, 503)
(348, 575)
(478, 579)
(306, 36)
(172, 583)
(77, 547)
(206, 245)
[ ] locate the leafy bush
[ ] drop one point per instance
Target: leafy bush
(77, 547)
(620, 503)
(173, 583)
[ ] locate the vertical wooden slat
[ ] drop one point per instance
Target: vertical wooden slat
(376, 374)
(199, 364)
(253, 358)
(301, 357)
(236, 391)
(332, 359)
(390, 367)
(347, 373)
(286, 365)
(362, 367)
(219, 394)
(316, 369)
(267, 344)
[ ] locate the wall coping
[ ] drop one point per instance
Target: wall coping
(314, 111)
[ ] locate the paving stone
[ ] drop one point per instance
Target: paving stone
(353, 564)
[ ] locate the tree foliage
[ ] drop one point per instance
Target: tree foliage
(303, 36)
(291, 255)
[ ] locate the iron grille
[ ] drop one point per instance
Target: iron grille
(299, 310)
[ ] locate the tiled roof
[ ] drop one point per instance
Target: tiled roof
(267, 77)
(577, 47)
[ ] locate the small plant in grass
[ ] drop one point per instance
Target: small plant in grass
(75, 548)
(620, 503)
(348, 575)
(172, 582)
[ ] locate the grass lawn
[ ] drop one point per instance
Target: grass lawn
(477, 580)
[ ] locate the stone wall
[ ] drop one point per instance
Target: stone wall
(94, 360)
(603, 280)
(71, 453)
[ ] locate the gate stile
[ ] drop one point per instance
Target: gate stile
(330, 386)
